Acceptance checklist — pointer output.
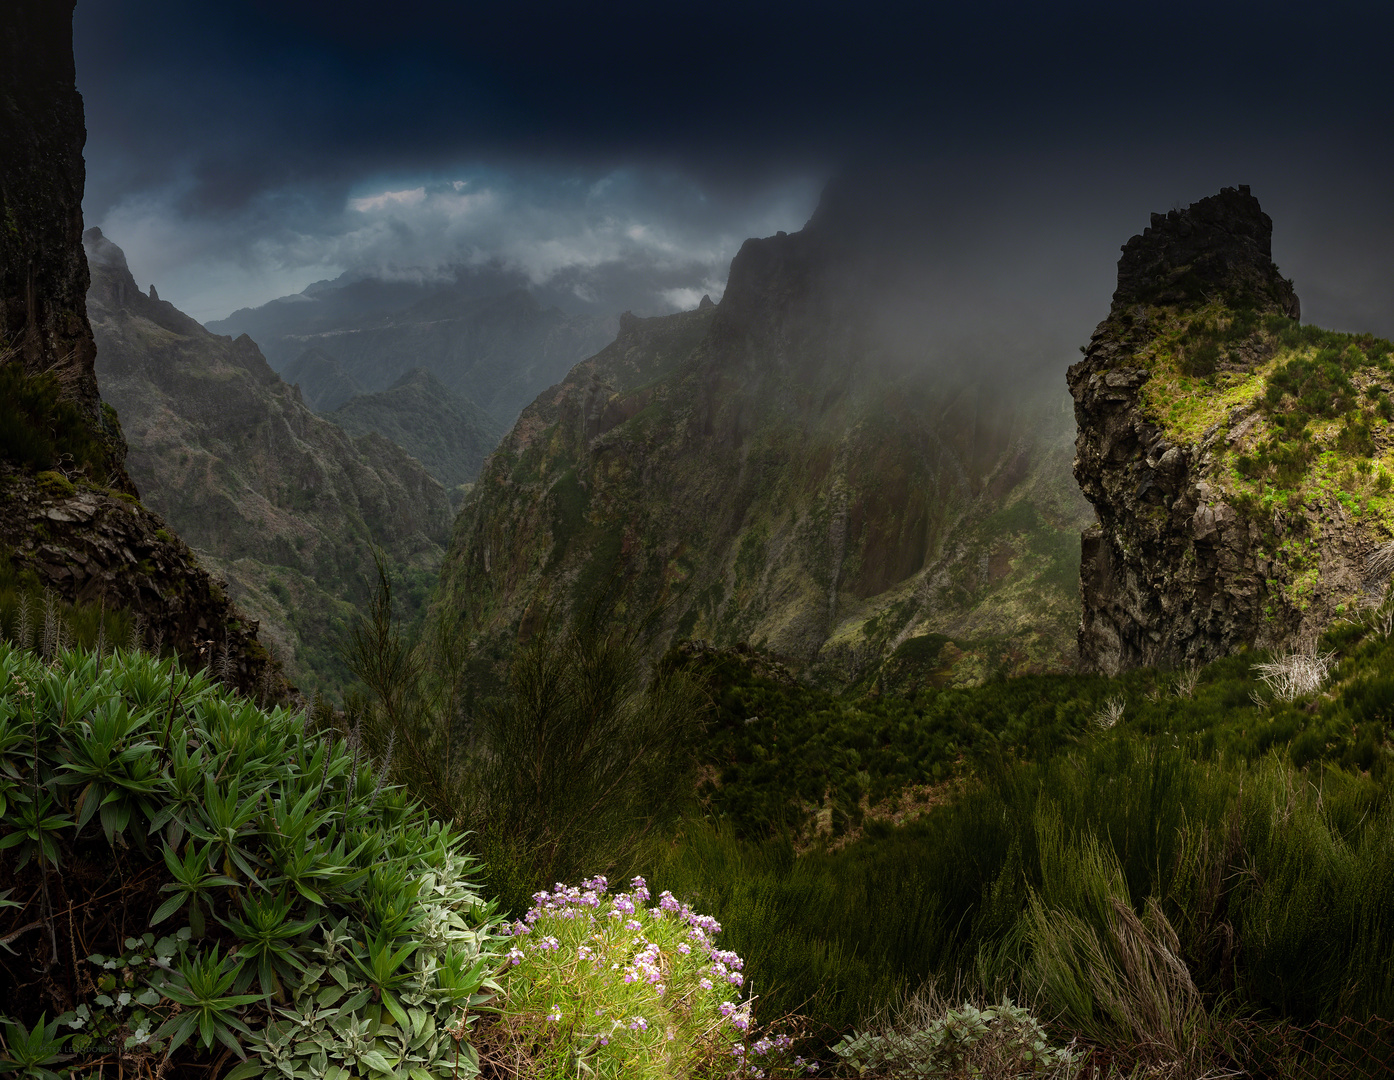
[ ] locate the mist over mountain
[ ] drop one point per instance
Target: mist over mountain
(807, 466)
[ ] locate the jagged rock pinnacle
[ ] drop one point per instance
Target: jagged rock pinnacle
(1218, 248)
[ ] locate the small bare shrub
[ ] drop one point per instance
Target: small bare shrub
(1380, 565)
(24, 630)
(1295, 674)
(1187, 680)
(1110, 713)
(53, 626)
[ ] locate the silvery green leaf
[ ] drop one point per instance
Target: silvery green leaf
(375, 1061)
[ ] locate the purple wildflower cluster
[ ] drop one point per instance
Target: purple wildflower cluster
(585, 900)
(642, 961)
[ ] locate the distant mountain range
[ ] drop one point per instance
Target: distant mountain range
(484, 334)
(450, 436)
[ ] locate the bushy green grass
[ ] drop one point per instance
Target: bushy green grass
(1210, 824)
(1248, 864)
(38, 429)
(779, 752)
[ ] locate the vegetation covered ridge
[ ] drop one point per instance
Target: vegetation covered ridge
(1142, 861)
(1217, 819)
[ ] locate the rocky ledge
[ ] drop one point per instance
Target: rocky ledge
(94, 546)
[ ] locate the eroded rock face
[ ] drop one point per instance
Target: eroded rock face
(94, 547)
(1218, 248)
(1172, 572)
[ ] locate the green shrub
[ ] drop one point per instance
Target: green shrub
(583, 757)
(38, 428)
(331, 928)
(927, 1040)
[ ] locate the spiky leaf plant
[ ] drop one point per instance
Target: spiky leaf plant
(329, 927)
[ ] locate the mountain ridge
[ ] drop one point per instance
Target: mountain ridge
(485, 335)
(286, 506)
(449, 435)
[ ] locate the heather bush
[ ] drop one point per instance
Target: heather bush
(608, 986)
(926, 1039)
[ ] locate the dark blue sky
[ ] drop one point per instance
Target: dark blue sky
(242, 150)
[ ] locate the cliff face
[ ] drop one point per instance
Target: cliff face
(43, 275)
(69, 518)
(281, 503)
(1233, 456)
(776, 470)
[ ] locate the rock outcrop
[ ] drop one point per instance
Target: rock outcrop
(69, 517)
(1203, 544)
(778, 470)
(97, 547)
(283, 505)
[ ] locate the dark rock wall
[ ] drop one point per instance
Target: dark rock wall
(43, 272)
(93, 547)
(85, 536)
(1218, 248)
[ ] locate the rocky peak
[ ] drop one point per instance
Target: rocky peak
(113, 286)
(1218, 248)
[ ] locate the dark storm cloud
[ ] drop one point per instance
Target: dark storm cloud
(239, 134)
